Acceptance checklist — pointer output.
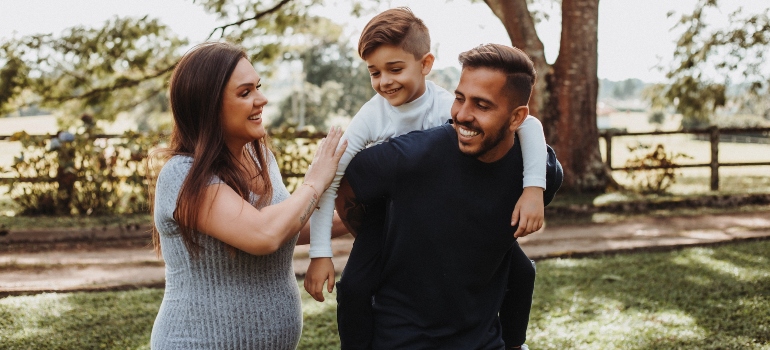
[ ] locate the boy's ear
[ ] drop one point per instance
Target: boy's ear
(517, 117)
(427, 63)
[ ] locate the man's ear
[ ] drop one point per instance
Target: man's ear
(427, 63)
(517, 116)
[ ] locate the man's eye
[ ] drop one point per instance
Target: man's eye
(395, 70)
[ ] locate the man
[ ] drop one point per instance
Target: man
(447, 241)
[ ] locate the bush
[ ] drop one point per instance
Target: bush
(655, 171)
(81, 173)
(84, 173)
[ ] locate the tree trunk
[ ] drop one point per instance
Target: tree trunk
(565, 95)
(521, 29)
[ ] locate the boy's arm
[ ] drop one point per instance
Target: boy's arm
(358, 134)
(321, 268)
(529, 211)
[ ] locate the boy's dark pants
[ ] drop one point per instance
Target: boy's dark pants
(361, 277)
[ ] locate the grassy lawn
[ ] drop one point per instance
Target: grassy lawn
(697, 298)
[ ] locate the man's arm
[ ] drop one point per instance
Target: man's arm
(350, 210)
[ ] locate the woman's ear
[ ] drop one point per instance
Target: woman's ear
(427, 63)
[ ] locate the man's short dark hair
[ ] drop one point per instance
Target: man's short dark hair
(397, 27)
(515, 64)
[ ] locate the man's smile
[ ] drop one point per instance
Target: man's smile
(465, 132)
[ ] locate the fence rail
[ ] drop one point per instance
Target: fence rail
(715, 135)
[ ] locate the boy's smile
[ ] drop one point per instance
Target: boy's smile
(397, 75)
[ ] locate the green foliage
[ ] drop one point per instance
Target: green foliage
(646, 175)
(124, 65)
(104, 71)
(336, 80)
(82, 173)
(320, 103)
(706, 59)
(698, 298)
(294, 150)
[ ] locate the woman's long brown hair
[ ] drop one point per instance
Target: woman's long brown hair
(195, 92)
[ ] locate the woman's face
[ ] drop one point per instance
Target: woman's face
(242, 104)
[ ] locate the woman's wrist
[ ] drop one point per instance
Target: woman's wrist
(315, 190)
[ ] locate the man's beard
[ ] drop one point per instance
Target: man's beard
(487, 143)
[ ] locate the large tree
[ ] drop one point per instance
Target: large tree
(566, 91)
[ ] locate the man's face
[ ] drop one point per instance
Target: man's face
(396, 75)
(483, 120)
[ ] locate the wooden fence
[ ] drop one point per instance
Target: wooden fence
(714, 135)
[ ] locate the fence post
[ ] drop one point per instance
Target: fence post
(714, 157)
(608, 143)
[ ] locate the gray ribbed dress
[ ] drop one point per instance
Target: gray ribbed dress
(220, 301)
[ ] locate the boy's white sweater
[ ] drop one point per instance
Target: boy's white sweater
(377, 121)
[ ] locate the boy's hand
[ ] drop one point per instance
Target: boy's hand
(528, 212)
(320, 270)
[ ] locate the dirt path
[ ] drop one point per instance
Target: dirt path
(95, 267)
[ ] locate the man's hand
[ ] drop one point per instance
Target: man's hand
(528, 212)
(320, 270)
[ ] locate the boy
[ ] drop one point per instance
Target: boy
(395, 45)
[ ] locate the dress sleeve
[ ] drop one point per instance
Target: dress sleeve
(533, 152)
(358, 134)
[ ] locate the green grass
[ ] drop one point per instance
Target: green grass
(57, 222)
(697, 298)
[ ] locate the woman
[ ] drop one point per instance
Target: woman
(224, 222)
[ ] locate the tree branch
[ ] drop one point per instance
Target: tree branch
(124, 84)
(256, 17)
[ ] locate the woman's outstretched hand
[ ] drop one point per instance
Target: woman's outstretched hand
(327, 156)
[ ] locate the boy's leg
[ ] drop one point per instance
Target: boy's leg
(357, 285)
(514, 312)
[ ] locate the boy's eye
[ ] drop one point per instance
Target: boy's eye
(374, 74)
(395, 70)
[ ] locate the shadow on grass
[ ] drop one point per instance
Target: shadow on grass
(698, 298)
(109, 320)
(701, 298)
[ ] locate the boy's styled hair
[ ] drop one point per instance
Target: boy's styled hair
(515, 64)
(398, 27)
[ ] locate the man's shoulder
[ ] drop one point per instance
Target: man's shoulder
(425, 138)
(412, 146)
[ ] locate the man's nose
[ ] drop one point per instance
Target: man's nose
(463, 114)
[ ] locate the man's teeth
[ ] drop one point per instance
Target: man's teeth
(255, 117)
(467, 133)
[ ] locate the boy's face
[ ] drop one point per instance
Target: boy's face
(396, 75)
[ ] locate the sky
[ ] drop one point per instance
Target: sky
(634, 36)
